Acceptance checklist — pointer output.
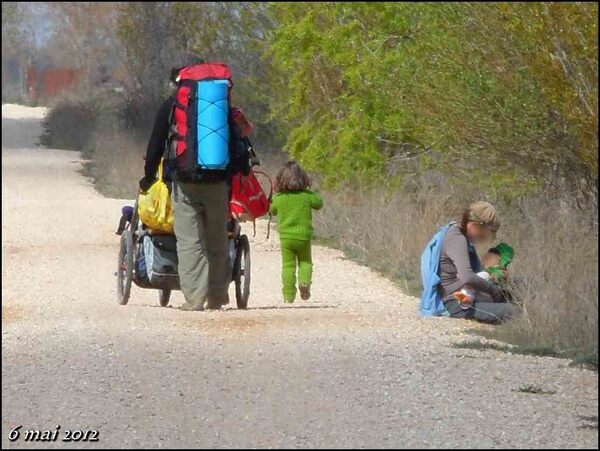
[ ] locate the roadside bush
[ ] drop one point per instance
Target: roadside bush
(101, 127)
(68, 125)
(116, 164)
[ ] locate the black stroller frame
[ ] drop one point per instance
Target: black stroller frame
(128, 253)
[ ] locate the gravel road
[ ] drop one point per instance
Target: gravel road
(352, 367)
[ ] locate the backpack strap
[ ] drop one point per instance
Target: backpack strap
(174, 185)
(270, 196)
(168, 152)
(255, 161)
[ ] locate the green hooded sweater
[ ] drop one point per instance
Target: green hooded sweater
(506, 253)
(294, 213)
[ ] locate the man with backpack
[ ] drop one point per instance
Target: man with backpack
(201, 152)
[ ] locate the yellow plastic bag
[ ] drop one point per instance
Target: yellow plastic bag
(154, 207)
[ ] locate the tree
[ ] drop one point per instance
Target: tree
(18, 48)
(15, 28)
(558, 42)
(391, 89)
(159, 35)
(83, 37)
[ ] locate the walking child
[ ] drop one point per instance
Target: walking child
(293, 204)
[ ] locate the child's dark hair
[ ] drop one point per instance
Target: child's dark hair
(291, 178)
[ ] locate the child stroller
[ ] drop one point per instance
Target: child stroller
(150, 261)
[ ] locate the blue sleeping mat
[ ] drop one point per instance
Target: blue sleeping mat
(213, 124)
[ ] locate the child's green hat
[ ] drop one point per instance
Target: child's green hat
(505, 252)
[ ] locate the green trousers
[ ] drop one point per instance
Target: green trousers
(295, 253)
(200, 223)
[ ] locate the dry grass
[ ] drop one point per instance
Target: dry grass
(555, 242)
(116, 164)
(96, 127)
(557, 252)
(386, 231)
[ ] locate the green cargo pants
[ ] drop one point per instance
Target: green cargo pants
(200, 223)
(293, 251)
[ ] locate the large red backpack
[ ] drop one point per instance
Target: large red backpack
(199, 125)
(198, 115)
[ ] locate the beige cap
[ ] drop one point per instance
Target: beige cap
(485, 213)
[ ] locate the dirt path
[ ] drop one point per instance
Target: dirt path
(355, 367)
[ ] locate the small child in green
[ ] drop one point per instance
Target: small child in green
(496, 262)
(293, 204)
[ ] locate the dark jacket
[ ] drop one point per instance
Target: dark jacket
(158, 138)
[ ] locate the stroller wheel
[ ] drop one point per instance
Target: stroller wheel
(164, 296)
(242, 272)
(125, 268)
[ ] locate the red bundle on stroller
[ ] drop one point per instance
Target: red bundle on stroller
(248, 200)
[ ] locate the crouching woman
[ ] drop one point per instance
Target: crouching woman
(464, 294)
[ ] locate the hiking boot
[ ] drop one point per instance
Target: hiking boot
(187, 307)
(216, 304)
(225, 300)
(213, 305)
(304, 291)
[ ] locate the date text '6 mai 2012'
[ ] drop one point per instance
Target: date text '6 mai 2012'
(52, 435)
